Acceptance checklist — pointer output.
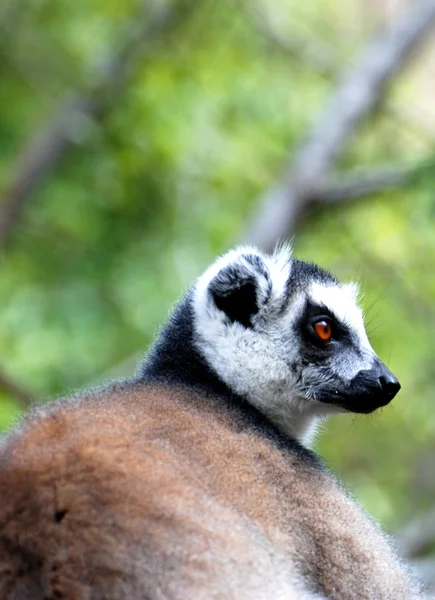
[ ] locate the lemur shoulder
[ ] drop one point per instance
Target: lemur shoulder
(193, 480)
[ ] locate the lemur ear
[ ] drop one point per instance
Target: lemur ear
(235, 292)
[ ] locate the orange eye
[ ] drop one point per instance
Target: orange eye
(323, 330)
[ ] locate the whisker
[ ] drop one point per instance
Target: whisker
(372, 304)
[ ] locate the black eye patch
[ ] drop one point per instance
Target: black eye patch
(314, 313)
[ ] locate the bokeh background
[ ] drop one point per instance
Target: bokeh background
(138, 140)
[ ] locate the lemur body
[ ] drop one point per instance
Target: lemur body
(192, 481)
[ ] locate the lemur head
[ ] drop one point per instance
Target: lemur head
(288, 337)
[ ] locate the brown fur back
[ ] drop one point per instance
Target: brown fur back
(140, 493)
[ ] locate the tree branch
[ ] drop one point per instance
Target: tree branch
(15, 390)
(361, 183)
(37, 158)
(46, 148)
(417, 535)
(425, 570)
(310, 50)
(358, 94)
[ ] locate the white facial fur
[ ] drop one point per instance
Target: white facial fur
(262, 362)
(342, 302)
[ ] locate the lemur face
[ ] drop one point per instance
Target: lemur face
(337, 364)
(288, 336)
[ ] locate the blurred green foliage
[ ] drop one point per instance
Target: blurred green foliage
(168, 178)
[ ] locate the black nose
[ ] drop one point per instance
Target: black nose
(369, 389)
(389, 383)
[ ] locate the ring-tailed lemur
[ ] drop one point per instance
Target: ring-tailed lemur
(192, 481)
(282, 333)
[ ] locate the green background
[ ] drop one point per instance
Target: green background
(167, 175)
